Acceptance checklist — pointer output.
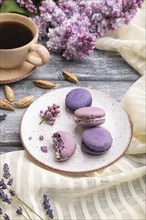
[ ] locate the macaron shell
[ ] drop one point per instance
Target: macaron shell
(90, 151)
(69, 144)
(89, 116)
(89, 112)
(97, 138)
(78, 98)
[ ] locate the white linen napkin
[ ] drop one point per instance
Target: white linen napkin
(116, 192)
(129, 41)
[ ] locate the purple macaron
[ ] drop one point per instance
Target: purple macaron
(89, 116)
(78, 98)
(65, 145)
(96, 140)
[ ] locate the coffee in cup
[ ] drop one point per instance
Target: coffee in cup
(18, 38)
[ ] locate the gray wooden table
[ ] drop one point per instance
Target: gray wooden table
(103, 71)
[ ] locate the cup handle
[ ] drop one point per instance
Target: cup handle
(43, 53)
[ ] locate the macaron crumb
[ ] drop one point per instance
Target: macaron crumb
(44, 149)
(41, 137)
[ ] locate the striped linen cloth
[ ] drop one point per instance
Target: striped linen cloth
(130, 42)
(116, 192)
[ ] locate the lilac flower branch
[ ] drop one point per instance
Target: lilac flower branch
(21, 213)
(73, 26)
(18, 211)
(25, 210)
(6, 186)
(23, 203)
(6, 217)
(28, 5)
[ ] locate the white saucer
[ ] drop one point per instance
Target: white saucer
(14, 75)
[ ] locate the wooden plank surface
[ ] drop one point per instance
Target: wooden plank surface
(103, 71)
(98, 66)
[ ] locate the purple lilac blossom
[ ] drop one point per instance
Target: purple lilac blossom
(12, 192)
(72, 26)
(51, 14)
(70, 8)
(72, 38)
(10, 182)
(1, 2)
(42, 26)
(4, 186)
(1, 182)
(28, 5)
(3, 117)
(47, 206)
(6, 199)
(2, 194)
(50, 114)
(6, 174)
(6, 217)
(19, 211)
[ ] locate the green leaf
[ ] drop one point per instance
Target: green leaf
(12, 6)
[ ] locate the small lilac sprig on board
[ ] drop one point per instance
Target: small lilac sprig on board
(28, 5)
(7, 193)
(73, 26)
(50, 114)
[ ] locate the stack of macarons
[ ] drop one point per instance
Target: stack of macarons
(79, 100)
(95, 139)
